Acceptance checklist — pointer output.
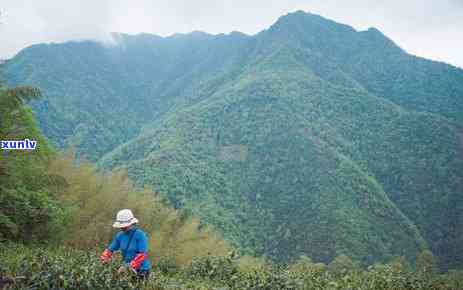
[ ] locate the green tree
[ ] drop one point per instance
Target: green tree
(27, 210)
(342, 265)
(426, 263)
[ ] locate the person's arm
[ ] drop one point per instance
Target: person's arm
(108, 252)
(142, 251)
(115, 244)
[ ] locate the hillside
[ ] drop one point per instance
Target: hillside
(307, 138)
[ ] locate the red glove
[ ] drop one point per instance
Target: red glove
(106, 256)
(137, 261)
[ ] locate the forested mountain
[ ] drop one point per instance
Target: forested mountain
(307, 138)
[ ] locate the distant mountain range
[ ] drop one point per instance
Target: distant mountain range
(308, 138)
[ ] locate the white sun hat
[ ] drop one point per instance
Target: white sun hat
(124, 218)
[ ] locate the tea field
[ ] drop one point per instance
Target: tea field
(64, 268)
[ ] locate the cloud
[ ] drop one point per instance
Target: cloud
(83, 19)
(427, 28)
(24, 22)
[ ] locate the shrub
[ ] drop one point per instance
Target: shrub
(93, 199)
(66, 268)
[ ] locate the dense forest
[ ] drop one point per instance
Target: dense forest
(308, 155)
(54, 222)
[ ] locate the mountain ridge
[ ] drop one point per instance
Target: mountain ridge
(308, 137)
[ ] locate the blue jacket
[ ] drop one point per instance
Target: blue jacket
(138, 245)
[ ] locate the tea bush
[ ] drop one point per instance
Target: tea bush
(213, 268)
(65, 268)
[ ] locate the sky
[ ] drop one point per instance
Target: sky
(427, 28)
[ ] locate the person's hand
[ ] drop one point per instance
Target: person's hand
(106, 256)
(124, 269)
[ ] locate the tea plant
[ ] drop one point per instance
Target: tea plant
(64, 268)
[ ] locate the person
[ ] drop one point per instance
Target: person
(133, 244)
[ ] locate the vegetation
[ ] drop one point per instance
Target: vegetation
(54, 198)
(27, 209)
(66, 268)
(92, 198)
(309, 138)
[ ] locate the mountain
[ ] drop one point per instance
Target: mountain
(307, 138)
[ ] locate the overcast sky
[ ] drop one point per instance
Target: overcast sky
(428, 28)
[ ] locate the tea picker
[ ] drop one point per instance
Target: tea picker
(133, 244)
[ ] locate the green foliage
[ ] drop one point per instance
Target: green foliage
(28, 212)
(213, 268)
(48, 197)
(426, 263)
(92, 198)
(62, 269)
(309, 138)
(342, 265)
(66, 268)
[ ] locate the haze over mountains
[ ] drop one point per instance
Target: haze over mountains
(307, 138)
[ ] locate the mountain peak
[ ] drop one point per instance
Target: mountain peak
(309, 29)
(309, 20)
